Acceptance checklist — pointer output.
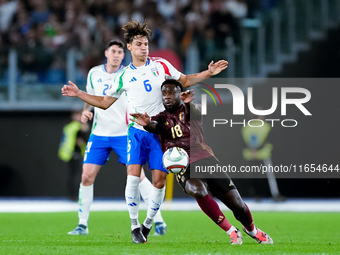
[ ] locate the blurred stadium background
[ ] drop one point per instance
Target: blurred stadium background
(43, 44)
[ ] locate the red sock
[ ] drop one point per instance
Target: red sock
(212, 210)
(250, 226)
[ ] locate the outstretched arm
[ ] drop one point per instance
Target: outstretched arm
(145, 121)
(213, 69)
(102, 102)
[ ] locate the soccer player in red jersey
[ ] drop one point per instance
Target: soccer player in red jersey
(177, 128)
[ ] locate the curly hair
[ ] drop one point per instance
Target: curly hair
(133, 28)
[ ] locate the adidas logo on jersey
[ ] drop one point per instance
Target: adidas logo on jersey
(133, 79)
(100, 80)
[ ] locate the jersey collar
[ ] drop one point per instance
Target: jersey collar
(134, 68)
(120, 68)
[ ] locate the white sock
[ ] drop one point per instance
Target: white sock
(85, 201)
(231, 229)
(145, 188)
(155, 201)
(132, 198)
(253, 232)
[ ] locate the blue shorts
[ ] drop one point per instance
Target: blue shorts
(142, 147)
(99, 147)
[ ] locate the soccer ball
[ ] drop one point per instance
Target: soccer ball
(175, 159)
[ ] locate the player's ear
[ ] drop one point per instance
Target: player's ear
(128, 46)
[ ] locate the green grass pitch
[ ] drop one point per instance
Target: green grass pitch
(189, 232)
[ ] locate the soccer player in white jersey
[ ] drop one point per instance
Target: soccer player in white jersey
(141, 82)
(109, 132)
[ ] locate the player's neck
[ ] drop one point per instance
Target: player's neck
(137, 62)
(175, 109)
(111, 69)
(172, 110)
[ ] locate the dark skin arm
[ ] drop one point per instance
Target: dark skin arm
(187, 97)
(145, 121)
(151, 126)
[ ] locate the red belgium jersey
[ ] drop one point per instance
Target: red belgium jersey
(178, 130)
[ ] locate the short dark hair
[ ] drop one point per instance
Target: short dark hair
(173, 82)
(133, 28)
(117, 42)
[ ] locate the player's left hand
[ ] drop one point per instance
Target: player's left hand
(187, 96)
(86, 115)
(216, 68)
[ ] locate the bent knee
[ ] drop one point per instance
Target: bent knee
(196, 188)
(159, 184)
(196, 194)
(239, 206)
(159, 179)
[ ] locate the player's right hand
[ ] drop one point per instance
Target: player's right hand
(70, 90)
(140, 119)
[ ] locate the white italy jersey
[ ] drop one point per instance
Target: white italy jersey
(112, 121)
(143, 86)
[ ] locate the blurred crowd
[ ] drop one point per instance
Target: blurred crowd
(42, 31)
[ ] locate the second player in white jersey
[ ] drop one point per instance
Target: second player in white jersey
(108, 134)
(109, 122)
